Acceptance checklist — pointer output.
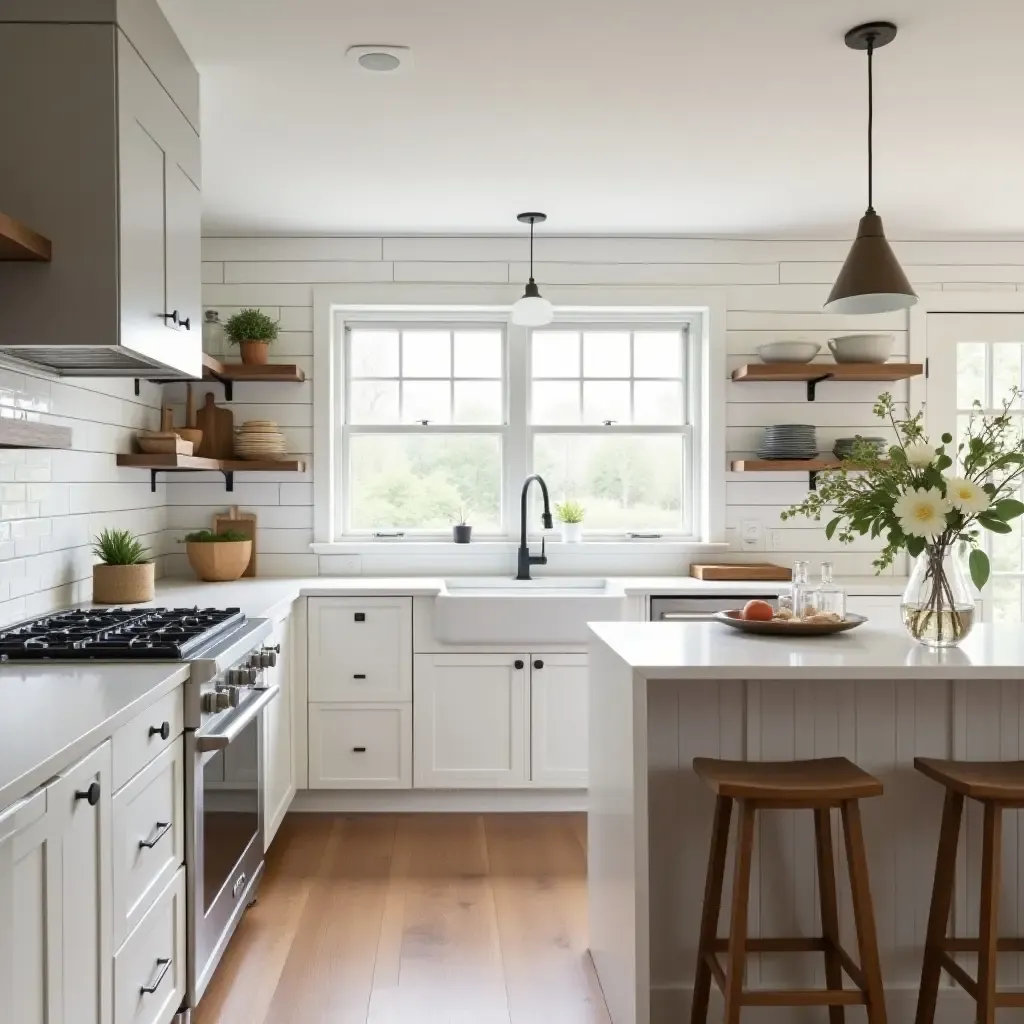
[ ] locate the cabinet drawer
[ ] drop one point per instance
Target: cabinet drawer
(149, 837)
(360, 649)
(366, 747)
(153, 958)
(138, 742)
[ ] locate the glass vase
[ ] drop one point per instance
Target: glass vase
(938, 604)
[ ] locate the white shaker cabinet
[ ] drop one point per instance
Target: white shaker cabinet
(55, 899)
(278, 735)
(558, 714)
(471, 721)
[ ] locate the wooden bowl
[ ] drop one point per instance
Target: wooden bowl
(219, 561)
(191, 434)
(156, 443)
(787, 627)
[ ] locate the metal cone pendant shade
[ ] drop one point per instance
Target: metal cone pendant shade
(872, 280)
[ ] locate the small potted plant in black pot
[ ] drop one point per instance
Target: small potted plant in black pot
(462, 532)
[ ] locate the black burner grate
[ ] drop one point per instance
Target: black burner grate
(115, 634)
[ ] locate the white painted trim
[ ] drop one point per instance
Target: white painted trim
(428, 801)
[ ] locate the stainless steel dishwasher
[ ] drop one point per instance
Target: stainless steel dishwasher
(701, 609)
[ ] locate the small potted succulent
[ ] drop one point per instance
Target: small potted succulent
(124, 574)
(218, 557)
(462, 532)
(570, 514)
(253, 332)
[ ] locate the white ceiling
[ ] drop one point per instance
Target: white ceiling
(666, 116)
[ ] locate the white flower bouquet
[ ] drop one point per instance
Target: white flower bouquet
(918, 502)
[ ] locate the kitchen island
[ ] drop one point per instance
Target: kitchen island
(662, 694)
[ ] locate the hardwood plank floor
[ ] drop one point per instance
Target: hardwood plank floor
(415, 919)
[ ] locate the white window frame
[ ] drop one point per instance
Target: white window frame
(703, 310)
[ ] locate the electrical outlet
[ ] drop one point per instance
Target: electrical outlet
(775, 540)
(346, 565)
(751, 535)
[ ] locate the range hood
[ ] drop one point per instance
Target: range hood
(87, 360)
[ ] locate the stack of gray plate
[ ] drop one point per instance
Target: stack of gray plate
(788, 441)
(844, 446)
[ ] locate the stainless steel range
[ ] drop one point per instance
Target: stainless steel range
(224, 699)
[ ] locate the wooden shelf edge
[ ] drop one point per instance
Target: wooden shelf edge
(196, 464)
(783, 465)
(20, 242)
(29, 434)
(279, 373)
(767, 373)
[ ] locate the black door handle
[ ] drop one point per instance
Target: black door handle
(162, 828)
(163, 730)
(186, 323)
(92, 794)
(359, 675)
(173, 317)
(165, 965)
(538, 663)
(518, 664)
(359, 750)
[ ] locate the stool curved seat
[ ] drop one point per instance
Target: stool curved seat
(827, 779)
(980, 780)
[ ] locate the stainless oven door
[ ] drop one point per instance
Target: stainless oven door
(224, 854)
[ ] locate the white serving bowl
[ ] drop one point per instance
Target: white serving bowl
(862, 348)
(788, 351)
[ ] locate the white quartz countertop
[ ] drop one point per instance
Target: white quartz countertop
(709, 650)
(267, 597)
(52, 715)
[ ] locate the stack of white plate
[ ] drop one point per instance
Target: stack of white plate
(259, 439)
(789, 441)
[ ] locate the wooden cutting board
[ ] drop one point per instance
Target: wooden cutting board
(218, 427)
(242, 522)
(763, 571)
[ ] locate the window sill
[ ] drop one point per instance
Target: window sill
(594, 548)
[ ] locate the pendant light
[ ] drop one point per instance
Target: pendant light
(532, 310)
(872, 280)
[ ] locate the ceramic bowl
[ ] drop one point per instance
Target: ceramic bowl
(788, 351)
(862, 348)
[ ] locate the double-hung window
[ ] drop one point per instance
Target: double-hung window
(444, 418)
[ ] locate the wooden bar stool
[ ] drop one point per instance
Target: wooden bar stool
(996, 786)
(792, 785)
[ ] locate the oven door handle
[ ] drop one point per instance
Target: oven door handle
(234, 729)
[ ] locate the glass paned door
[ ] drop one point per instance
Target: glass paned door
(980, 357)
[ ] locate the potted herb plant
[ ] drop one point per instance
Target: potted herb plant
(253, 332)
(570, 514)
(218, 557)
(931, 504)
(124, 574)
(462, 532)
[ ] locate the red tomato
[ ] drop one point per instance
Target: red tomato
(761, 611)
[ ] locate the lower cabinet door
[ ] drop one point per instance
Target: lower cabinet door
(558, 712)
(471, 721)
(360, 746)
(149, 969)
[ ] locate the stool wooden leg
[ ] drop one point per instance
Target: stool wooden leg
(829, 907)
(863, 912)
(712, 907)
(988, 929)
(942, 899)
(734, 969)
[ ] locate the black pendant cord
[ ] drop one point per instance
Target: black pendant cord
(871, 124)
(531, 250)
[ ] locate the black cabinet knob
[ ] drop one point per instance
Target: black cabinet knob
(359, 750)
(359, 675)
(518, 664)
(538, 663)
(163, 730)
(186, 323)
(360, 616)
(173, 317)
(92, 794)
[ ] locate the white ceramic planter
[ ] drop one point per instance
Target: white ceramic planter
(572, 533)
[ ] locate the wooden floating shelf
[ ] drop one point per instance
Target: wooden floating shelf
(29, 434)
(20, 242)
(812, 467)
(815, 373)
(194, 464)
(228, 373)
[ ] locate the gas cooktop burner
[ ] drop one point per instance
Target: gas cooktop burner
(115, 634)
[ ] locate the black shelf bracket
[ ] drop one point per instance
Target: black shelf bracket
(812, 476)
(811, 385)
(208, 375)
(229, 477)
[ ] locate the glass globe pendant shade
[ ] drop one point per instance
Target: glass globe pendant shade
(532, 310)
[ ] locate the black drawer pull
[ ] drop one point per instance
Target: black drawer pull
(518, 664)
(538, 663)
(163, 730)
(162, 828)
(359, 750)
(359, 675)
(92, 794)
(360, 616)
(186, 323)
(165, 965)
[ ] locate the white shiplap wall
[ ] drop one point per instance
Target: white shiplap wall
(52, 503)
(775, 289)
